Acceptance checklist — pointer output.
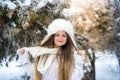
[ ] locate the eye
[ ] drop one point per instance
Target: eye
(64, 35)
(57, 35)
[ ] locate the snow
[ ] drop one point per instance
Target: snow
(17, 70)
(107, 68)
(41, 3)
(10, 4)
(118, 34)
(27, 2)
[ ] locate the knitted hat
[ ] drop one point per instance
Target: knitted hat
(58, 25)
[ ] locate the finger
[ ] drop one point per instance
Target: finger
(79, 52)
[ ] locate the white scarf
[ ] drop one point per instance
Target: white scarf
(47, 55)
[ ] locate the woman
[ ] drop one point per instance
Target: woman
(57, 58)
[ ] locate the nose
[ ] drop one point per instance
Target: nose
(60, 37)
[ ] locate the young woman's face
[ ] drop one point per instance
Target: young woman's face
(60, 38)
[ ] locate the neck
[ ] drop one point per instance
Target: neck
(55, 46)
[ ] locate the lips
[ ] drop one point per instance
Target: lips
(60, 41)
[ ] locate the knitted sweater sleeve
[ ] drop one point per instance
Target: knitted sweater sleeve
(37, 51)
(78, 72)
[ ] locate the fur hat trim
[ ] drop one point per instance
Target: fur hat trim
(58, 25)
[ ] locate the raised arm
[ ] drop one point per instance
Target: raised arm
(37, 51)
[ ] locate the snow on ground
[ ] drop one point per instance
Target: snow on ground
(107, 68)
(16, 72)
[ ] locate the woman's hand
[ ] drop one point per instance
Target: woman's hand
(21, 51)
(79, 52)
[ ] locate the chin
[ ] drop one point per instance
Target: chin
(59, 45)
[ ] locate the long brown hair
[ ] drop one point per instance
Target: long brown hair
(64, 56)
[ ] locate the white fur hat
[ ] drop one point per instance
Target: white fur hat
(57, 25)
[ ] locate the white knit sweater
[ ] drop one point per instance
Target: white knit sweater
(49, 71)
(77, 74)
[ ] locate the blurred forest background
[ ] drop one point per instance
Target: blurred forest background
(24, 23)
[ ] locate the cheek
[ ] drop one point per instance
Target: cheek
(55, 39)
(65, 40)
